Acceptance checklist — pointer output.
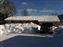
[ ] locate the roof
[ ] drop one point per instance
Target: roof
(39, 18)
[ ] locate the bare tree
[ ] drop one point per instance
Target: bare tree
(24, 9)
(7, 8)
(25, 12)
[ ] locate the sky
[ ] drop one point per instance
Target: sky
(39, 7)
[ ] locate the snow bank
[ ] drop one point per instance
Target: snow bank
(2, 29)
(19, 28)
(61, 26)
(22, 28)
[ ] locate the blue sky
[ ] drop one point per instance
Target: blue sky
(39, 7)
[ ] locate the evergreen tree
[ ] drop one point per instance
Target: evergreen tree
(6, 9)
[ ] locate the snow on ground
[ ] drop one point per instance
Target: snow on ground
(61, 26)
(18, 28)
(21, 28)
(10, 30)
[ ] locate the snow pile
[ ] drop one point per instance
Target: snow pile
(61, 26)
(2, 29)
(19, 28)
(22, 28)
(53, 28)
